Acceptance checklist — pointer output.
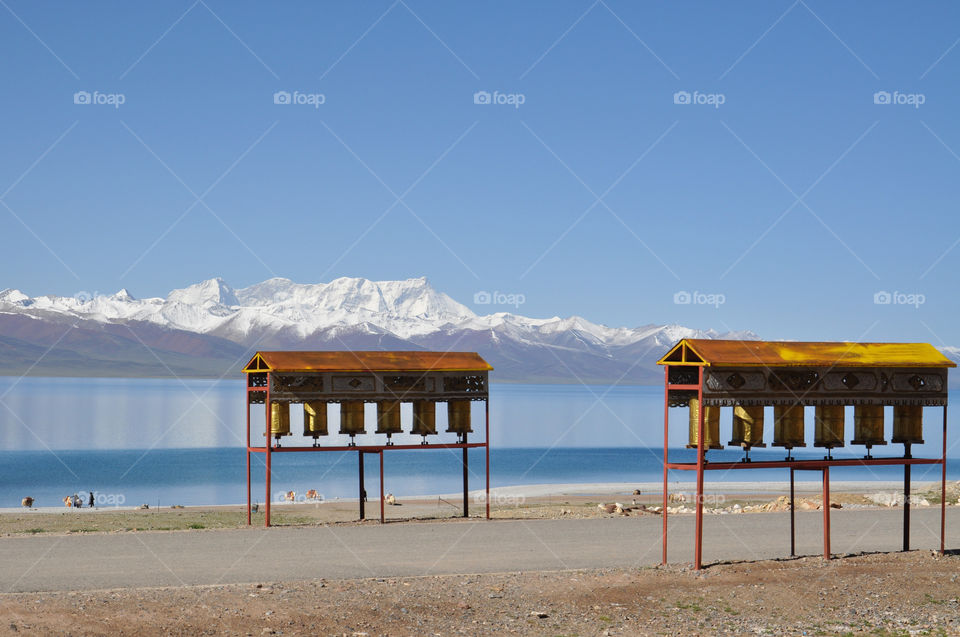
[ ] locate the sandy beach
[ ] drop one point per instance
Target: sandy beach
(544, 501)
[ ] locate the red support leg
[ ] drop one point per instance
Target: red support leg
(382, 518)
(666, 440)
(826, 513)
(943, 485)
(698, 548)
(269, 445)
(486, 446)
(248, 456)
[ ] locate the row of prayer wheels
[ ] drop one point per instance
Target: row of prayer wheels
(388, 418)
(788, 429)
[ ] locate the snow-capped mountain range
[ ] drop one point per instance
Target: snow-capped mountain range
(212, 329)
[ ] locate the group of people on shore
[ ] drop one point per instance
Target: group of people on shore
(76, 502)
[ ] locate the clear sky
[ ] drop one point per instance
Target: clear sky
(782, 186)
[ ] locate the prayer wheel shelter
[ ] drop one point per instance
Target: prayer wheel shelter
(758, 380)
(345, 383)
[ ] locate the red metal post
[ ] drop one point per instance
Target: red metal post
(793, 538)
(382, 519)
(486, 444)
(466, 504)
(906, 500)
(826, 513)
(268, 446)
(666, 438)
(943, 485)
(698, 547)
(247, 396)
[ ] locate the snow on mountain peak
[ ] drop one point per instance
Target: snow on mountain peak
(10, 295)
(210, 292)
(287, 313)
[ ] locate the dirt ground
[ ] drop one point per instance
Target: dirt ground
(876, 594)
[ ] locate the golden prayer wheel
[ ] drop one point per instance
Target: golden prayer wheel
(458, 416)
(828, 429)
(351, 417)
(711, 426)
(788, 426)
(388, 417)
(279, 419)
(424, 418)
(908, 424)
(868, 425)
(315, 418)
(747, 426)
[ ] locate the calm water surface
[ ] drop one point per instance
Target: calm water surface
(178, 442)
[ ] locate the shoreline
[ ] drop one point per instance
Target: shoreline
(514, 494)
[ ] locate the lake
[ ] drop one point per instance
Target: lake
(180, 442)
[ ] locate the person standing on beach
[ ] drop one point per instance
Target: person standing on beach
(90, 502)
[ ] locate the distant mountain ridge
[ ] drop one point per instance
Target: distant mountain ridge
(210, 329)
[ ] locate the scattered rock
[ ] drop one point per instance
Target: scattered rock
(144, 506)
(539, 614)
(885, 499)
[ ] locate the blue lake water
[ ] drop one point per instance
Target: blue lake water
(150, 440)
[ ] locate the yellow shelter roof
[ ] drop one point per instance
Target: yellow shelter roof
(702, 351)
(374, 361)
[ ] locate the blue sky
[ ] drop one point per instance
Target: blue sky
(797, 199)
